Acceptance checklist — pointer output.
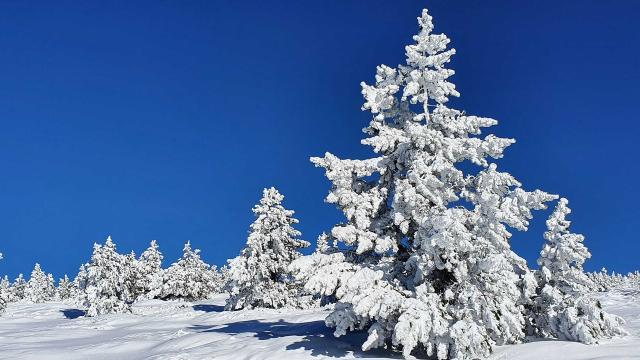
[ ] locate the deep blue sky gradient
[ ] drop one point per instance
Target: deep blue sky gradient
(165, 119)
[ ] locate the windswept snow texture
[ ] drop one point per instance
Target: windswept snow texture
(202, 330)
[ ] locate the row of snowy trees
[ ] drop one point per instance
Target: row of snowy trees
(605, 281)
(110, 282)
(38, 289)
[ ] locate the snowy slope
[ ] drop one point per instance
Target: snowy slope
(174, 330)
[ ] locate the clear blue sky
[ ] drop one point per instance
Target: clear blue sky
(165, 119)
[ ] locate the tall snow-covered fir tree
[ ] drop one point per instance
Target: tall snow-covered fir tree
(563, 308)
(259, 277)
(189, 278)
(425, 262)
(104, 286)
(39, 287)
(149, 272)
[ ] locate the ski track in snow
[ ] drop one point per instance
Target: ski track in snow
(184, 331)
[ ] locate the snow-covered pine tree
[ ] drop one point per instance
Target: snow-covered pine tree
(5, 293)
(189, 278)
(225, 279)
(131, 275)
(5, 284)
(104, 287)
(51, 290)
(563, 254)
(149, 272)
(66, 289)
(218, 280)
(38, 289)
(18, 288)
(259, 277)
(322, 244)
(80, 284)
(426, 264)
(563, 308)
(4, 300)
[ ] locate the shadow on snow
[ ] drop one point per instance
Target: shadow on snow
(72, 313)
(208, 308)
(316, 337)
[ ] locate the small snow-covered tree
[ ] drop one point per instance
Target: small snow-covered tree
(66, 289)
(564, 309)
(79, 285)
(51, 290)
(425, 262)
(18, 288)
(563, 254)
(225, 279)
(130, 276)
(218, 280)
(105, 284)
(322, 244)
(39, 287)
(259, 277)
(5, 284)
(150, 272)
(5, 293)
(189, 278)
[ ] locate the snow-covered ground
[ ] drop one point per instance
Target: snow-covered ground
(174, 330)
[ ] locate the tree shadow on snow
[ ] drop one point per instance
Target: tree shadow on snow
(317, 337)
(72, 313)
(208, 308)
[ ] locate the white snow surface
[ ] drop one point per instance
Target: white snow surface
(202, 330)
